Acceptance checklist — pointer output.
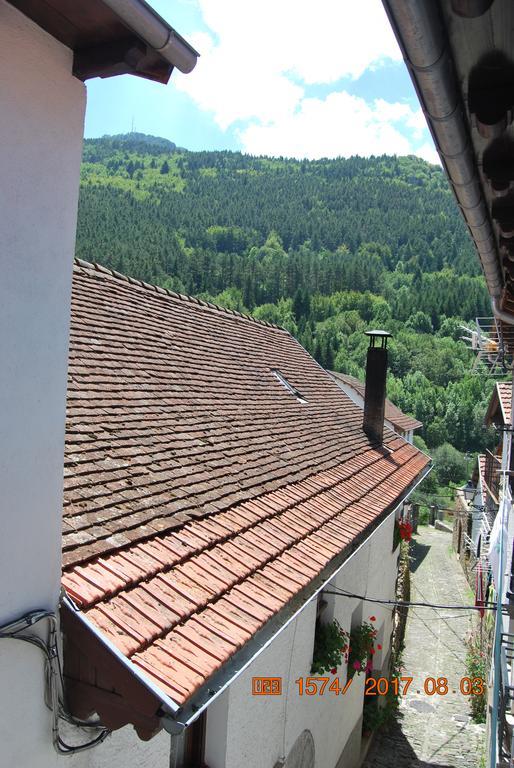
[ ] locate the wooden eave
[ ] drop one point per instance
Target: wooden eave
(98, 682)
(102, 44)
(494, 413)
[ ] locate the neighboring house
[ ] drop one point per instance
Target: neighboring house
(395, 419)
(47, 49)
(216, 480)
(477, 503)
(472, 521)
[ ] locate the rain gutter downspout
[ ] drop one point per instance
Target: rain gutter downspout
(149, 26)
(423, 41)
(500, 314)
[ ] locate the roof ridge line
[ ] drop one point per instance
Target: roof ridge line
(93, 265)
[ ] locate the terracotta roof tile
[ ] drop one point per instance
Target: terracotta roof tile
(200, 496)
(505, 397)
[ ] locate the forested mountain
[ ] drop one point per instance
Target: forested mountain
(326, 248)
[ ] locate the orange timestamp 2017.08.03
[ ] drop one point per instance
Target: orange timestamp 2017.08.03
(381, 686)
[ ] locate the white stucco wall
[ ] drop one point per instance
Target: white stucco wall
(41, 125)
(122, 749)
(256, 731)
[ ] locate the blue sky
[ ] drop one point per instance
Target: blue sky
(275, 78)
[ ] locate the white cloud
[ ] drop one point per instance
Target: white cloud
(261, 54)
(260, 58)
(340, 125)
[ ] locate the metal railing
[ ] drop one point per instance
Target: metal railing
(486, 339)
(469, 544)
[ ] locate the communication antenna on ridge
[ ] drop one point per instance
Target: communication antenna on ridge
(133, 128)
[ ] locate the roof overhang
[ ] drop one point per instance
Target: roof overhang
(458, 53)
(113, 37)
(494, 413)
(99, 679)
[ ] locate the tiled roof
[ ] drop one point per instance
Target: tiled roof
(505, 398)
(200, 494)
(392, 413)
(501, 396)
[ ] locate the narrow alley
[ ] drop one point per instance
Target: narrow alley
(433, 731)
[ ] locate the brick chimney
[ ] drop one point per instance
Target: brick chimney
(376, 372)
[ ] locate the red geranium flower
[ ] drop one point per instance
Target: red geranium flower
(372, 618)
(405, 531)
(333, 670)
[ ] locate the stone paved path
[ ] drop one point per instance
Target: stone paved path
(433, 731)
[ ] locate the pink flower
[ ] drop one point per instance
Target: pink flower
(369, 666)
(357, 665)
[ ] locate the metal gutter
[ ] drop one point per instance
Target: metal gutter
(423, 41)
(276, 625)
(500, 314)
(157, 33)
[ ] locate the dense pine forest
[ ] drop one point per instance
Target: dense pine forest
(326, 248)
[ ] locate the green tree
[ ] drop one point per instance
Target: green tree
(420, 322)
(449, 465)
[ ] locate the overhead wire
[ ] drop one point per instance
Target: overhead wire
(408, 603)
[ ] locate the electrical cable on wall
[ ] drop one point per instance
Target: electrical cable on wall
(54, 679)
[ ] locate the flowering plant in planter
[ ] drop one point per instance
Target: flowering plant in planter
(362, 647)
(402, 532)
(330, 647)
(405, 531)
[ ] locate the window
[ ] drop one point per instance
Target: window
(287, 385)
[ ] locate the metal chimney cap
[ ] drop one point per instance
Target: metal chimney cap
(383, 335)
